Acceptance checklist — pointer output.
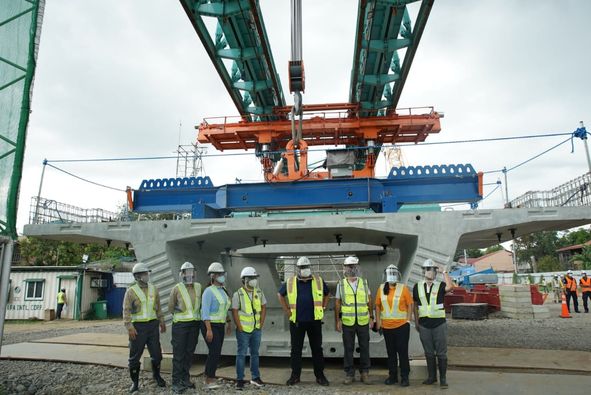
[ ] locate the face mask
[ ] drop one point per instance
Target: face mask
(221, 279)
(430, 275)
(253, 283)
(392, 279)
(143, 278)
(306, 272)
(351, 272)
(187, 278)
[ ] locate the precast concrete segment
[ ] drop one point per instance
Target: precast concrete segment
(404, 239)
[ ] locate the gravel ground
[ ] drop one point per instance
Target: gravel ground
(19, 333)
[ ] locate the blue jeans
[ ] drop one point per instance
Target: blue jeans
(244, 342)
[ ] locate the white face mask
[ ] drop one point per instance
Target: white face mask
(306, 272)
(392, 279)
(187, 278)
(253, 283)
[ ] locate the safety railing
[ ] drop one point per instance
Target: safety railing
(43, 211)
(576, 192)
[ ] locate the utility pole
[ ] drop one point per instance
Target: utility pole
(506, 188)
(583, 135)
(36, 217)
(7, 246)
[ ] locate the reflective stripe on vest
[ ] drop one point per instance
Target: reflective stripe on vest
(192, 309)
(250, 319)
(586, 285)
(317, 296)
(147, 312)
(430, 309)
(219, 316)
(392, 312)
(354, 303)
(571, 284)
(60, 297)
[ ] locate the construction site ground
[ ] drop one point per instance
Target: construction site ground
(496, 355)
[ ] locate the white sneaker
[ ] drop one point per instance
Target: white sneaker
(212, 386)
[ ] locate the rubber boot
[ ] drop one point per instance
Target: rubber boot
(134, 373)
(156, 374)
(431, 370)
(404, 380)
(442, 372)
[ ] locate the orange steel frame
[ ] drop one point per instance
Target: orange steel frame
(322, 124)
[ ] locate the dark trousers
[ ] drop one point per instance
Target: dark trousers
(58, 313)
(573, 295)
(215, 348)
(434, 341)
(586, 297)
(397, 348)
(184, 340)
(147, 334)
(362, 332)
(298, 331)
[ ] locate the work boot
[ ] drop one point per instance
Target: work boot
(178, 388)
(391, 380)
(431, 370)
(156, 374)
(404, 381)
(348, 380)
(442, 372)
(293, 380)
(365, 378)
(134, 373)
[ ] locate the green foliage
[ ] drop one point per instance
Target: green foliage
(579, 236)
(494, 248)
(584, 257)
(548, 263)
(516, 279)
(470, 252)
(40, 252)
(537, 244)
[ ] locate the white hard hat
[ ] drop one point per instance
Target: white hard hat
(429, 263)
(187, 265)
(215, 267)
(140, 268)
(248, 272)
(569, 271)
(351, 260)
(303, 261)
(583, 273)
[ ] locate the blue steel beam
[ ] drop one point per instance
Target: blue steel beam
(241, 40)
(384, 28)
(406, 185)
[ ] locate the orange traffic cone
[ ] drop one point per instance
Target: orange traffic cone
(565, 313)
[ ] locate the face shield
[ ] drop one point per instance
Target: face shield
(187, 276)
(391, 275)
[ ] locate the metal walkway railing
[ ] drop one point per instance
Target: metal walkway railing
(576, 192)
(43, 211)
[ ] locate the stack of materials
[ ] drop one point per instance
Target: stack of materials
(516, 303)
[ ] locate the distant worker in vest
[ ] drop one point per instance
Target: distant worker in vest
(61, 302)
(394, 307)
(570, 289)
(430, 321)
(557, 289)
(185, 305)
(249, 308)
(214, 313)
(585, 283)
(353, 317)
(142, 317)
(307, 297)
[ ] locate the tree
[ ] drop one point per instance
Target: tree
(494, 248)
(548, 263)
(538, 245)
(470, 252)
(584, 257)
(579, 236)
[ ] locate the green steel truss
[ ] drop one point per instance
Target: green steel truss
(240, 52)
(384, 30)
(20, 27)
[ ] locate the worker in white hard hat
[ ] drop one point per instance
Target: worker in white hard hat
(354, 315)
(430, 321)
(215, 303)
(307, 297)
(185, 305)
(556, 289)
(394, 307)
(142, 317)
(249, 309)
(570, 289)
(585, 283)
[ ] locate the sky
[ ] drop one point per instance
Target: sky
(132, 79)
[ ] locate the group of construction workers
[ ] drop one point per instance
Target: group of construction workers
(304, 296)
(567, 285)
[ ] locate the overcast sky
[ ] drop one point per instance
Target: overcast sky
(115, 78)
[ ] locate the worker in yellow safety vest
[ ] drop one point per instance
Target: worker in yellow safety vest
(142, 317)
(185, 305)
(307, 297)
(585, 283)
(353, 317)
(430, 320)
(61, 302)
(249, 309)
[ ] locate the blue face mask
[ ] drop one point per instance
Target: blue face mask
(221, 279)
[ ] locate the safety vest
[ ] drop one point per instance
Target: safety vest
(317, 296)
(586, 284)
(219, 316)
(571, 284)
(430, 309)
(61, 298)
(192, 309)
(392, 312)
(354, 303)
(250, 310)
(147, 312)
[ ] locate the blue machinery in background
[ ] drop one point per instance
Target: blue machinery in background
(404, 185)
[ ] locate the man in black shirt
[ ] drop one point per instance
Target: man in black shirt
(430, 320)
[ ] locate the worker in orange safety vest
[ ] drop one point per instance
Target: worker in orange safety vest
(585, 283)
(570, 289)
